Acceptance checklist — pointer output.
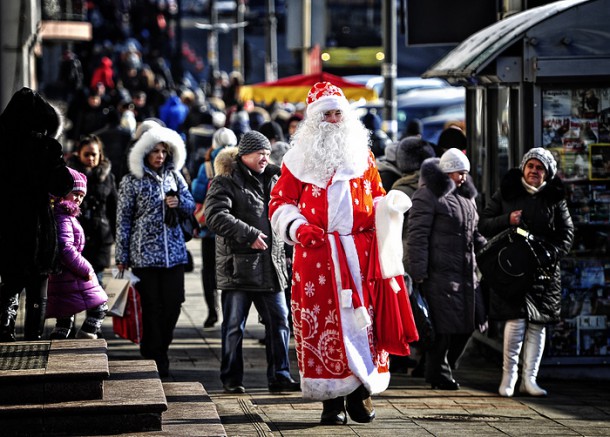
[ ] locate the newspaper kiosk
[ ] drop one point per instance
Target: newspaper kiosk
(542, 78)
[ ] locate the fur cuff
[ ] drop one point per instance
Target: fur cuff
(363, 320)
(389, 217)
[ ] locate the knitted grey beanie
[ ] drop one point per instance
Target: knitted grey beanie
(252, 141)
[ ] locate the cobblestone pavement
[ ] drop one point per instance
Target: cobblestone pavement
(409, 407)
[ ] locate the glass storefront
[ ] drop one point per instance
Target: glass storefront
(576, 129)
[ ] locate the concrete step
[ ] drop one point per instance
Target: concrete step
(37, 372)
(133, 401)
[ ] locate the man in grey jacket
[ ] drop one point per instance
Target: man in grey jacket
(250, 259)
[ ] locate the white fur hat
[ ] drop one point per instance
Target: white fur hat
(324, 96)
(454, 160)
(147, 142)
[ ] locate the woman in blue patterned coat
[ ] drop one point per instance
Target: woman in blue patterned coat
(149, 239)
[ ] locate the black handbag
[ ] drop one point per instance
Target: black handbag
(421, 316)
(512, 259)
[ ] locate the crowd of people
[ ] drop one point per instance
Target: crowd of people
(288, 203)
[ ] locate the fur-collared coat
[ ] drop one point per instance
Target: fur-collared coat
(546, 215)
(236, 209)
(441, 243)
(143, 238)
(98, 211)
(70, 291)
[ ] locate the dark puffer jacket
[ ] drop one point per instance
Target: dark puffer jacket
(546, 215)
(441, 242)
(237, 210)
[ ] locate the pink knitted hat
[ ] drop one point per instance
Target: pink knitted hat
(80, 181)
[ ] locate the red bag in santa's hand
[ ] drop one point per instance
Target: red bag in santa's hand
(129, 326)
(394, 326)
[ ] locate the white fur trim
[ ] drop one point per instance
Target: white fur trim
(148, 141)
(282, 218)
(321, 389)
(363, 320)
(389, 217)
(328, 103)
(292, 232)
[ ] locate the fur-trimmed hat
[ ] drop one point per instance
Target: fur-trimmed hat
(454, 160)
(324, 96)
(411, 152)
(148, 141)
(252, 141)
(544, 156)
(80, 181)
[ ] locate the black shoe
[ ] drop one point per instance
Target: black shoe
(333, 412)
(234, 389)
(419, 371)
(163, 366)
(360, 406)
(284, 384)
(446, 384)
(210, 321)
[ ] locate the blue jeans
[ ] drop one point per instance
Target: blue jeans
(274, 312)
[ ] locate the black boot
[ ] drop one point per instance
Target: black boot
(8, 315)
(34, 320)
(333, 412)
(211, 299)
(360, 406)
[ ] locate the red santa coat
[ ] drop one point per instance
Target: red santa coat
(335, 353)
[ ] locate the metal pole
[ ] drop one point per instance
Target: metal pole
(271, 40)
(388, 68)
(238, 52)
(213, 42)
(306, 36)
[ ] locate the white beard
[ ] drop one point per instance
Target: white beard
(326, 147)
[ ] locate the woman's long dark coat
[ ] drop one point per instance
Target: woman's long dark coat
(546, 215)
(441, 242)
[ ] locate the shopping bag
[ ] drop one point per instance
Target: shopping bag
(129, 326)
(116, 289)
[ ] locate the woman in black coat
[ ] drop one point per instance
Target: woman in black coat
(532, 197)
(441, 242)
(32, 167)
(98, 210)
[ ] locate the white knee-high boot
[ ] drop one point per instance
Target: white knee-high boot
(514, 331)
(534, 347)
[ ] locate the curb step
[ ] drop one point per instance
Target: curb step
(38, 372)
(133, 401)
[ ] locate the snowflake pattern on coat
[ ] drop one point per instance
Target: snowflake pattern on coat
(334, 355)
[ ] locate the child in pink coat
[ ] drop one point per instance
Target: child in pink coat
(75, 288)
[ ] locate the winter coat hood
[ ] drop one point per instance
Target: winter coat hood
(440, 183)
(147, 142)
(28, 111)
(223, 163)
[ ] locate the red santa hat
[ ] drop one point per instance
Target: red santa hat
(324, 96)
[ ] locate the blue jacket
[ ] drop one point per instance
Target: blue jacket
(143, 237)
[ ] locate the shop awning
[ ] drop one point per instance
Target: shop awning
(476, 52)
(294, 89)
